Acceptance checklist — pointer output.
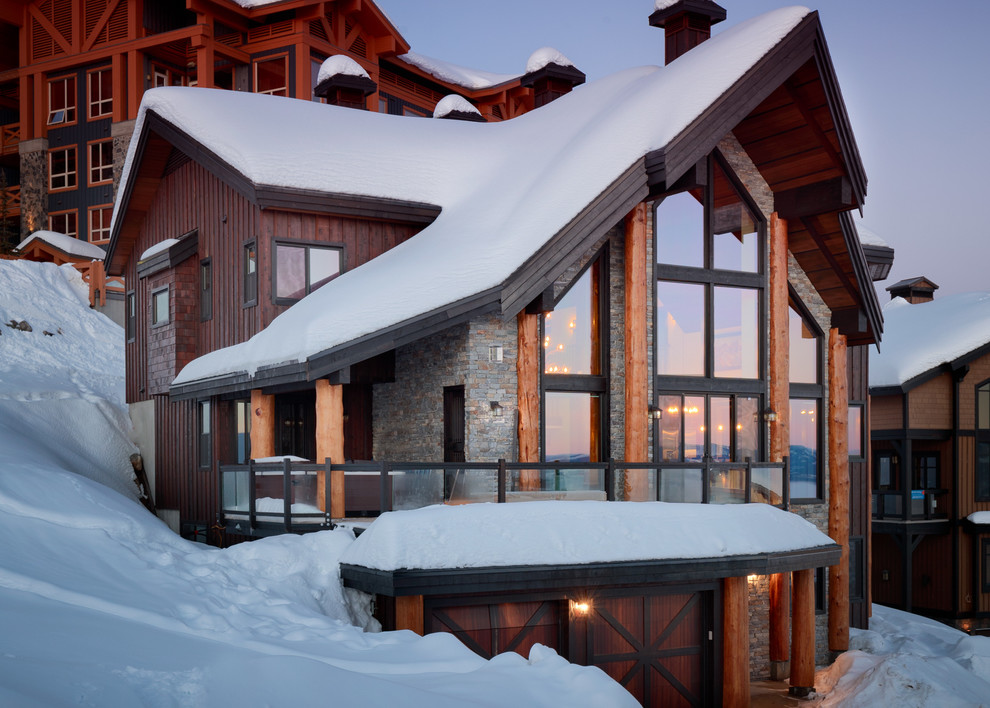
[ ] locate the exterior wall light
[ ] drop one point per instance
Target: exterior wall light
(655, 413)
(580, 607)
(496, 409)
(770, 415)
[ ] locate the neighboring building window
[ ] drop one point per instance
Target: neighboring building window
(983, 442)
(159, 77)
(100, 93)
(101, 162)
(925, 475)
(130, 321)
(806, 391)
(65, 222)
(886, 478)
(159, 307)
(62, 168)
(857, 567)
(985, 552)
(62, 101)
(250, 274)
(271, 76)
(99, 223)
(302, 268)
(242, 431)
(205, 290)
(205, 436)
(854, 432)
(314, 73)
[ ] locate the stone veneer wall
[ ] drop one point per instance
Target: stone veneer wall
(121, 133)
(34, 186)
(489, 437)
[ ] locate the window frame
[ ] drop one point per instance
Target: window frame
(861, 406)
(249, 280)
(130, 316)
(981, 478)
(205, 290)
(288, 77)
(244, 406)
(916, 457)
(811, 391)
(95, 148)
(69, 214)
(308, 246)
(104, 103)
(204, 434)
(106, 217)
(71, 176)
(156, 293)
(71, 109)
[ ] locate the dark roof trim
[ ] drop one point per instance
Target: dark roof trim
(570, 73)
(405, 582)
(868, 294)
(186, 247)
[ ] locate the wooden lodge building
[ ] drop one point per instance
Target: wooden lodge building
(598, 299)
(930, 429)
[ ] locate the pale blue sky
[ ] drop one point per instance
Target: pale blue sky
(913, 75)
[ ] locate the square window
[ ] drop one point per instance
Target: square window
(62, 168)
(64, 223)
(99, 223)
(100, 93)
(300, 269)
(62, 101)
(271, 76)
(159, 307)
(101, 162)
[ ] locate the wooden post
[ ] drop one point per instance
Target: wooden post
(735, 643)
(636, 386)
(780, 584)
(262, 425)
(838, 491)
(528, 382)
(409, 613)
(330, 443)
(803, 634)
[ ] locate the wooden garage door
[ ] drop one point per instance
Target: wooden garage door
(491, 629)
(656, 644)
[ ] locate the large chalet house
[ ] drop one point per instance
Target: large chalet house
(647, 288)
(930, 388)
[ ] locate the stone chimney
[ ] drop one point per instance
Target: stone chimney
(914, 290)
(686, 24)
(550, 74)
(342, 82)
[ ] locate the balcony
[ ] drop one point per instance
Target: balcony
(289, 496)
(10, 138)
(924, 505)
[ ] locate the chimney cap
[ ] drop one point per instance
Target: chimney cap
(457, 107)
(549, 63)
(340, 71)
(920, 288)
(665, 9)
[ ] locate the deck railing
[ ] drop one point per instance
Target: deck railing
(924, 504)
(290, 496)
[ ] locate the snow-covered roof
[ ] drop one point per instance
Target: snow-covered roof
(505, 189)
(340, 64)
(66, 244)
(458, 75)
(159, 247)
(545, 56)
(453, 104)
(922, 336)
(870, 238)
(980, 517)
(576, 532)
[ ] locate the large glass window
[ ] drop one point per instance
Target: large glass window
(725, 428)
(983, 442)
(736, 315)
(681, 241)
(805, 345)
(805, 426)
(680, 329)
(735, 229)
(571, 336)
(806, 392)
(302, 268)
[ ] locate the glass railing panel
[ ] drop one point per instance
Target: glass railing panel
(470, 486)
(767, 485)
(236, 489)
(413, 489)
(727, 485)
(681, 485)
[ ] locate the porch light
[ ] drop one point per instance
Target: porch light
(770, 415)
(496, 408)
(656, 413)
(580, 608)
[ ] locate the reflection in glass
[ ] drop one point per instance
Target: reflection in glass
(680, 329)
(290, 275)
(670, 428)
(727, 485)
(855, 431)
(694, 428)
(681, 485)
(721, 429)
(804, 448)
(572, 426)
(681, 230)
(324, 266)
(735, 240)
(737, 333)
(571, 337)
(803, 349)
(747, 428)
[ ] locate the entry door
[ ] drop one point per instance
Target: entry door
(295, 420)
(656, 645)
(453, 424)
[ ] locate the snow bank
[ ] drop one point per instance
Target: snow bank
(62, 383)
(908, 661)
(919, 337)
(66, 244)
(573, 532)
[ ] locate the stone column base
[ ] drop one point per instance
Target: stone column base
(780, 670)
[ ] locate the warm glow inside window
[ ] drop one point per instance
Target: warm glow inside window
(99, 223)
(62, 101)
(301, 269)
(100, 93)
(572, 422)
(571, 336)
(62, 168)
(101, 162)
(271, 76)
(722, 427)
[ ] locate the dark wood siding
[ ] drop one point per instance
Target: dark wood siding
(858, 360)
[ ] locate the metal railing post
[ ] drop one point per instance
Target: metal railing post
(252, 496)
(220, 516)
(610, 480)
(706, 474)
(327, 492)
(748, 493)
(501, 480)
(287, 494)
(787, 483)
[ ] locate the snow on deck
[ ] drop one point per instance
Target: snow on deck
(66, 244)
(922, 336)
(576, 532)
(505, 188)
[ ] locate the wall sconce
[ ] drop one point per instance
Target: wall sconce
(496, 409)
(495, 352)
(885, 575)
(580, 607)
(770, 415)
(655, 413)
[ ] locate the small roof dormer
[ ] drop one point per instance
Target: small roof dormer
(454, 107)
(550, 74)
(686, 24)
(343, 82)
(914, 290)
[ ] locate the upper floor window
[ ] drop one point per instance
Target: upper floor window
(62, 101)
(805, 349)
(806, 393)
(302, 268)
(99, 223)
(925, 474)
(983, 442)
(159, 307)
(205, 290)
(64, 223)
(100, 93)
(62, 168)
(130, 319)
(271, 76)
(250, 273)
(854, 432)
(101, 162)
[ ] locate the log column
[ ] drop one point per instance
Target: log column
(262, 424)
(528, 382)
(803, 635)
(636, 385)
(330, 443)
(838, 491)
(735, 643)
(409, 613)
(780, 584)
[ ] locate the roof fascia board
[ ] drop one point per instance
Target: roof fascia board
(275, 197)
(861, 269)
(172, 256)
